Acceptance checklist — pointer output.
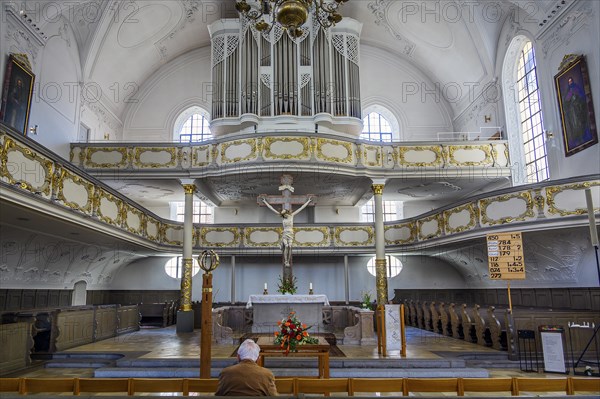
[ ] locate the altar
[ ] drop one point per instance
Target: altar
(269, 309)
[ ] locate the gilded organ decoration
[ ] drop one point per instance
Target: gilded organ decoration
(23, 167)
(106, 157)
(238, 151)
(278, 148)
(400, 234)
(421, 156)
(470, 155)
(569, 199)
(74, 192)
(354, 236)
(506, 208)
(460, 219)
(312, 237)
(161, 157)
(220, 237)
(430, 227)
(335, 151)
(262, 236)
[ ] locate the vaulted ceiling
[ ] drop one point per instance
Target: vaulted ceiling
(122, 43)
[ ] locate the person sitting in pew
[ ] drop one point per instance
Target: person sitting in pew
(246, 378)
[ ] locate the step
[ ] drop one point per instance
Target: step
(78, 363)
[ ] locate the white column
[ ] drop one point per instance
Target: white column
(380, 261)
(232, 278)
(347, 279)
(187, 262)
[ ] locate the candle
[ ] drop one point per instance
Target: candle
(265, 286)
(310, 286)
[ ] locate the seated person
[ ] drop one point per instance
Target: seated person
(246, 378)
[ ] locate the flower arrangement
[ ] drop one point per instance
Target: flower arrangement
(293, 333)
(287, 285)
(366, 300)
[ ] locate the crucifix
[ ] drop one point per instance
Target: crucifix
(286, 200)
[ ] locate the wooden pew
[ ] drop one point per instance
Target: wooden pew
(497, 328)
(482, 332)
(322, 386)
(445, 320)
(430, 385)
(104, 385)
(420, 321)
(199, 385)
(154, 314)
(456, 322)
(427, 322)
(561, 385)
(468, 325)
(372, 385)
(436, 321)
(487, 385)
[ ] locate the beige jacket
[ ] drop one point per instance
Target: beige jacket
(246, 379)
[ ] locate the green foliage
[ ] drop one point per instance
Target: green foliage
(366, 300)
(287, 285)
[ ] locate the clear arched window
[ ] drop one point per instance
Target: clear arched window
(192, 125)
(394, 266)
(376, 128)
(174, 267)
(530, 116)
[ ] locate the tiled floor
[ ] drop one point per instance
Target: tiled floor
(165, 343)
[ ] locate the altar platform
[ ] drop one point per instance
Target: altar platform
(269, 309)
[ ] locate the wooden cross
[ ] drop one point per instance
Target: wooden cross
(286, 200)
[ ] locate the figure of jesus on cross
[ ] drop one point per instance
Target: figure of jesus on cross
(286, 199)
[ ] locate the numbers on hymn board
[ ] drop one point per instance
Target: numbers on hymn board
(505, 256)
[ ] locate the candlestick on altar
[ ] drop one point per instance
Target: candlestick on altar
(310, 290)
(265, 292)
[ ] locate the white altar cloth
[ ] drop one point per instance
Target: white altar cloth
(287, 299)
(268, 309)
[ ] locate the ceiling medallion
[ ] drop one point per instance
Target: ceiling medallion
(289, 14)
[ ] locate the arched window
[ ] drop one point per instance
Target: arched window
(376, 128)
(174, 267)
(192, 126)
(522, 101)
(532, 124)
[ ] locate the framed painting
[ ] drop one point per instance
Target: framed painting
(17, 93)
(575, 104)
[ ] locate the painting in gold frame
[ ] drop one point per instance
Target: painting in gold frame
(17, 93)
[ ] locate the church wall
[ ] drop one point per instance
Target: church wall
(573, 32)
(180, 84)
(56, 96)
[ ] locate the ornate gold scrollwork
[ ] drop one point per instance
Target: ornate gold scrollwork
(127, 209)
(139, 151)
(214, 261)
(473, 216)
(381, 281)
(269, 141)
(523, 195)
(348, 146)
(46, 165)
(100, 195)
(225, 146)
(410, 226)
(436, 149)
(195, 156)
(552, 191)
(324, 241)
(151, 221)
(174, 228)
(378, 189)
(90, 151)
(186, 285)
(233, 230)
(60, 194)
(367, 229)
(189, 189)
(250, 230)
(452, 149)
(437, 233)
(378, 154)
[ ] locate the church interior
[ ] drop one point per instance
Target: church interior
(417, 180)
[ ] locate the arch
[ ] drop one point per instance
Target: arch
(387, 115)
(79, 293)
(184, 116)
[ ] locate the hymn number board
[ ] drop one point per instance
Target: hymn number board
(505, 256)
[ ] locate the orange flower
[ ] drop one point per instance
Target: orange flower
(292, 312)
(279, 323)
(276, 333)
(304, 326)
(287, 323)
(305, 333)
(298, 337)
